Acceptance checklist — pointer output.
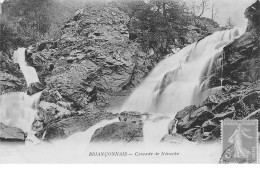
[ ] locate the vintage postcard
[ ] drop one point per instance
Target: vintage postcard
(129, 81)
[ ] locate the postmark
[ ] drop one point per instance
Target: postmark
(239, 141)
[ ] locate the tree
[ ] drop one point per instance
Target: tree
(131, 7)
(214, 11)
(40, 19)
(156, 23)
(199, 9)
(34, 12)
(8, 35)
(230, 24)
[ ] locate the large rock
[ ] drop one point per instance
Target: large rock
(192, 119)
(119, 132)
(238, 103)
(93, 61)
(11, 134)
(239, 61)
(35, 88)
(128, 129)
(253, 15)
(242, 56)
(90, 64)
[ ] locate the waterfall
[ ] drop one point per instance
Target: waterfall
(176, 81)
(29, 73)
(17, 109)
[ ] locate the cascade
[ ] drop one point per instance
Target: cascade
(176, 81)
(17, 109)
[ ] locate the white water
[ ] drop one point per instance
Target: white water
(18, 109)
(170, 94)
(29, 72)
(154, 131)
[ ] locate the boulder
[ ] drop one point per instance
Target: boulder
(11, 134)
(35, 88)
(119, 132)
(253, 15)
(186, 111)
(193, 119)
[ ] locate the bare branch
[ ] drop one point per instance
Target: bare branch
(203, 6)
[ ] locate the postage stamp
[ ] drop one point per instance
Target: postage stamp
(239, 141)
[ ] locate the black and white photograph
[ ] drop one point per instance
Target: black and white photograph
(129, 81)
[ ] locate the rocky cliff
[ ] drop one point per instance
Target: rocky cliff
(93, 61)
(239, 97)
(92, 64)
(11, 78)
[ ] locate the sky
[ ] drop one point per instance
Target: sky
(226, 8)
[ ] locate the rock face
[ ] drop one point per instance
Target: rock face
(93, 60)
(240, 96)
(129, 129)
(11, 78)
(11, 134)
(35, 88)
(202, 123)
